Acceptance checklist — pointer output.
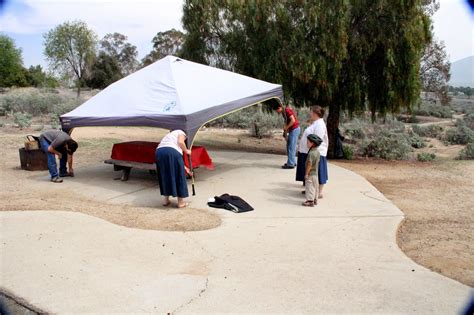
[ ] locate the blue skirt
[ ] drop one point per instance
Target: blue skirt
(171, 174)
(301, 166)
(323, 170)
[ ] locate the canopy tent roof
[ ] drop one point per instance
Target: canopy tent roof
(171, 93)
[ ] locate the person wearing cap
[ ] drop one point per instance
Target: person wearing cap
(291, 131)
(311, 173)
(58, 143)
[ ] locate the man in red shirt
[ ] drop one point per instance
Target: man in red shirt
(291, 131)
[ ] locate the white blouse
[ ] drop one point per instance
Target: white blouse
(171, 141)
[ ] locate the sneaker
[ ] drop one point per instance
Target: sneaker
(287, 167)
(65, 175)
(56, 180)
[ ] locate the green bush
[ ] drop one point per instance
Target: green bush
(430, 131)
(415, 140)
(425, 157)
(349, 152)
(461, 134)
(262, 124)
(469, 120)
(389, 146)
(439, 111)
(36, 102)
(467, 153)
(22, 119)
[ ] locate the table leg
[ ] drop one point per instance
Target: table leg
(125, 174)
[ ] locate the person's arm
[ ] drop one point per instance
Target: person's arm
(69, 162)
(308, 167)
(51, 149)
(182, 144)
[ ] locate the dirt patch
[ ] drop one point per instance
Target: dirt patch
(437, 200)
(19, 192)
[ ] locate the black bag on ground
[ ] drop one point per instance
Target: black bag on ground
(231, 203)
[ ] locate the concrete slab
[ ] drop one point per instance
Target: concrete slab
(338, 257)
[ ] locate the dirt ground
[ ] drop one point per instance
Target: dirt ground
(436, 197)
(19, 191)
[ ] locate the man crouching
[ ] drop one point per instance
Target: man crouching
(55, 142)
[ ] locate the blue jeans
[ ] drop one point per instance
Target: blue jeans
(52, 166)
(291, 146)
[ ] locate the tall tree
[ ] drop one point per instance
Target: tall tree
(104, 71)
(70, 49)
(164, 43)
(435, 70)
(345, 54)
(12, 72)
(124, 53)
(381, 72)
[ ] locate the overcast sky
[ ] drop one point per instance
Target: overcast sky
(26, 20)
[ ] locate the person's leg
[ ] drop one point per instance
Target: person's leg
(309, 192)
(316, 189)
(52, 167)
(292, 140)
(63, 165)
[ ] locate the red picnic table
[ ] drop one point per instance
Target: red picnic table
(141, 155)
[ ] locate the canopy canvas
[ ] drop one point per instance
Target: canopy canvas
(171, 93)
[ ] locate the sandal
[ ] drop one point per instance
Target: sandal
(166, 204)
(56, 180)
(308, 203)
(184, 205)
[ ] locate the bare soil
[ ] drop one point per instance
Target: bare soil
(19, 192)
(436, 197)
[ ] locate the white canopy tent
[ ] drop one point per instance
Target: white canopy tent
(171, 93)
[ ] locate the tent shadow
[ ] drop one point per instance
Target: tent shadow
(102, 183)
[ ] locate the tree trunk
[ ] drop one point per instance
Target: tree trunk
(78, 91)
(332, 125)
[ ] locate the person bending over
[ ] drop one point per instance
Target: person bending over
(171, 168)
(58, 143)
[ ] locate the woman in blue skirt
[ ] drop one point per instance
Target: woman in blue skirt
(171, 169)
(319, 128)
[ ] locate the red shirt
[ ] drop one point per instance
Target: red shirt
(288, 113)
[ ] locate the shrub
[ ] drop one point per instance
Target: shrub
(438, 111)
(459, 135)
(36, 102)
(348, 152)
(389, 146)
(467, 153)
(22, 119)
(425, 157)
(469, 120)
(416, 141)
(263, 124)
(430, 131)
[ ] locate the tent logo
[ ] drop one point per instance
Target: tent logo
(168, 107)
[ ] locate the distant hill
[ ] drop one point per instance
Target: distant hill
(462, 72)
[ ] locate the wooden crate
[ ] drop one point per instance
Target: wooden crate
(33, 160)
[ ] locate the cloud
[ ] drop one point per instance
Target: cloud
(140, 20)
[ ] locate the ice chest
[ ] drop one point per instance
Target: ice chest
(33, 160)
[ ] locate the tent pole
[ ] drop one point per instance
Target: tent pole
(191, 168)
